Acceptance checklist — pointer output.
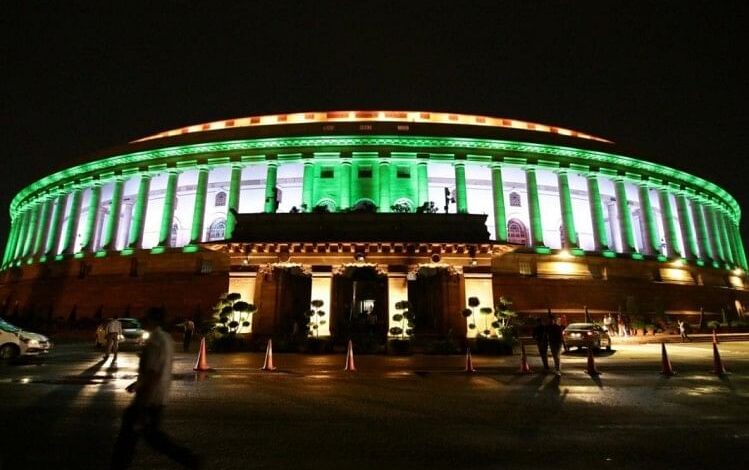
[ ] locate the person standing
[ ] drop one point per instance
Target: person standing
(187, 334)
(143, 416)
(542, 340)
(554, 333)
(112, 331)
(683, 331)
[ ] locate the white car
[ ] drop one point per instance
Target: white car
(15, 342)
(132, 334)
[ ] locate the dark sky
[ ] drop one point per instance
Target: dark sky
(663, 79)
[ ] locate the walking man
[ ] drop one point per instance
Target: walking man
(143, 416)
(188, 333)
(554, 333)
(542, 341)
(683, 331)
(113, 331)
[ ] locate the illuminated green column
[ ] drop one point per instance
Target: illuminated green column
(715, 237)
(55, 226)
(71, 228)
(728, 224)
(669, 224)
(270, 187)
(30, 237)
(344, 182)
(652, 242)
(423, 183)
(728, 250)
(706, 250)
(42, 227)
(625, 217)
(500, 220)
(600, 239)
(739, 245)
(198, 212)
(384, 186)
(109, 237)
(461, 200)
(22, 231)
(235, 186)
(10, 245)
(534, 208)
(137, 225)
(91, 216)
(568, 217)
(308, 182)
(687, 229)
(167, 214)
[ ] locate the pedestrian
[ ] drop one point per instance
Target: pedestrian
(620, 325)
(187, 334)
(607, 321)
(143, 416)
(542, 340)
(112, 331)
(683, 331)
(554, 333)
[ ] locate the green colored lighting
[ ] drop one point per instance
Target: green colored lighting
(577, 252)
(100, 254)
(190, 249)
(157, 250)
(542, 250)
(127, 251)
(608, 254)
(638, 256)
(662, 258)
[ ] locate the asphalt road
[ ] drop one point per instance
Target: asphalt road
(395, 412)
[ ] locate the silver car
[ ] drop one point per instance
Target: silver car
(132, 334)
(586, 335)
(15, 342)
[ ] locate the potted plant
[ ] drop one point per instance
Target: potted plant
(315, 319)
(232, 320)
(400, 335)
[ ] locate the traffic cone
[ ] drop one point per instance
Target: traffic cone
(469, 362)
(718, 367)
(715, 337)
(202, 363)
(268, 363)
(524, 367)
(592, 371)
(666, 368)
(350, 367)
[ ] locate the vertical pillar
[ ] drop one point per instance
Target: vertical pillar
(167, 215)
(423, 183)
(669, 224)
(344, 184)
(534, 208)
(712, 230)
(71, 228)
(23, 219)
(568, 217)
(233, 203)
(109, 238)
(87, 241)
(728, 249)
(384, 186)
(10, 244)
(739, 245)
(137, 225)
(461, 200)
(308, 182)
(687, 229)
(703, 241)
(55, 226)
(652, 241)
(500, 219)
(270, 187)
(600, 239)
(625, 217)
(43, 229)
(198, 212)
(32, 229)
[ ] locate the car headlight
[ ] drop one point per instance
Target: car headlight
(145, 335)
(30, 342)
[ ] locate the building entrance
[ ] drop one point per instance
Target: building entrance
(359, 305)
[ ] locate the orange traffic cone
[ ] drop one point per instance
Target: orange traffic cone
(202, 363)
(666, 368)
(715, 337)
(268, 363)
(469, 362)
(350, 358)
(592, 371)
(718, 367)
(524, 367)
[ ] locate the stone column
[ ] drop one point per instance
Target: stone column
(423, 183)
(137, 226)
(308, 184)
(198, 213)
(33, 228)
(167, 214)
(270, 188)
(713, 233)
(534, 208)
(568, 217)
(55, 226)
(233, 202)
(687, 229)
(109, 238)
(42, 227)
(461, 200)
(728, 249)
(625, 217)
(669, 224)
(10, 245)
(500, 220)
(23, 219)
(739, 245)
(384, 185)
(87, 241)
(344, 184)
(706, 250)
(600, 239)
(71, 228)
(652, 241)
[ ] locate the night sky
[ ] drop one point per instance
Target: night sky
(664, 80)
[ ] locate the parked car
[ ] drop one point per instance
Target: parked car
(587, 335)
(15, 342)
(132, 333)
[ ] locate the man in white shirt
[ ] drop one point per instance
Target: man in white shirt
(112, 331)
(143, 416)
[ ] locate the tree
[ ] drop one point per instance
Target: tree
(316, 318)
(231, 314)
(473, 302)
(406, 318)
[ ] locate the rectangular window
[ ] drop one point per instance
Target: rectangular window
(326, 173)
(404, 172)
(365, 172)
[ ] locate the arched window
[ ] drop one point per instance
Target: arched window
(517, 234)
(216, 230)
(325, 205)
(402, 205)
(173, 236)
(220, 200)
(514, 200)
